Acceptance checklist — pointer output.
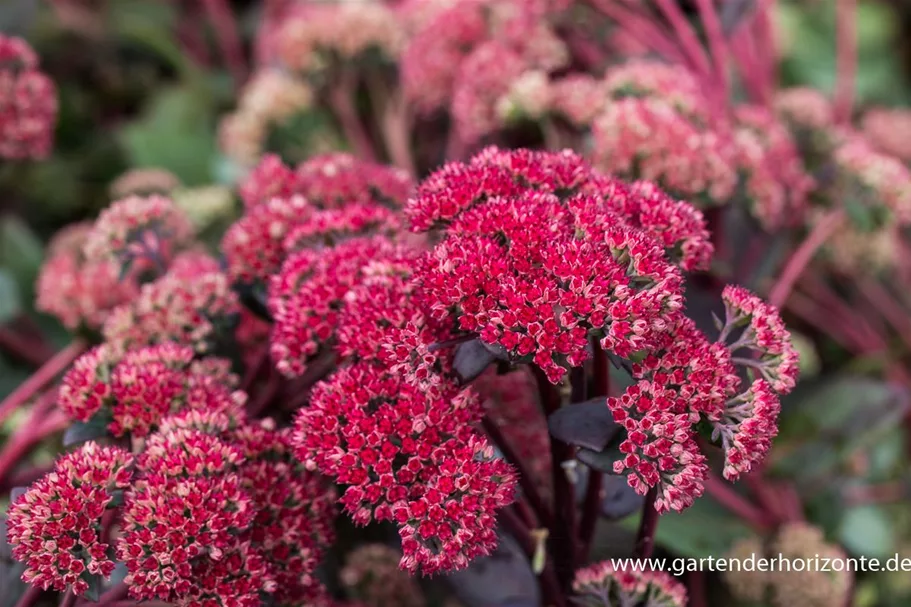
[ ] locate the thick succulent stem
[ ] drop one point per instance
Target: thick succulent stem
(648, 525)
(41, 378)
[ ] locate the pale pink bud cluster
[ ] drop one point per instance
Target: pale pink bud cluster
(269, 100)
(28, 103)
(601, 585)
(644, 78)
(144, 182)
(317, 35)
(55, 527)
(139, 232)
(191, 304)
(889, 131)
(476, 55)
(78, 292)
(880, 181)
(777, 185)
(578, 98)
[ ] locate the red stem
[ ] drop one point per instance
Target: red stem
(809, 311)
(225, 26)
(717, 44)
(887, 305)
(642, 29)
(550, 587)
(69, 599)
(24, 348)
(766, 48)
(562, 533)
(645, 538)
(37, 427)
(30, 596)
(526, 481)
(846, 58)
(41, 378)
(696, 589)
(687, 37)
(803, 255)
(342, 98)
(591, 506)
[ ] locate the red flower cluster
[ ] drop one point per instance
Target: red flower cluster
(538, 276)
(325, 198)
(138, 388)
(600, 585)
(28, 103)
(55, 527)
(409, 455)
(80, 293)
(189, 305)
(230, 532)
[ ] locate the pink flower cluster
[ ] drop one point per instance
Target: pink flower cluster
(55, 527)
(231, 533)
(469, 55)
(601, 585)
(777, 185)
(881, 182)
(80, 293)
(325, 198)
(139, 232)
(190, 305)
(137, 388)
(28, 103)
(409, 455)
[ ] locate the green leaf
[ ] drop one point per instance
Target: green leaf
(867, 530)
(175, 132)
(10, 298)
(21, 253)
(704, 529)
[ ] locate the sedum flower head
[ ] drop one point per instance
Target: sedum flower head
(189, 305)
(146, 231)
(372, 575)
(28, 103)
(600, 585)
(144, 182)
(80, 293)
(55, 527)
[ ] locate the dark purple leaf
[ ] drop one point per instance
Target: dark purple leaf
(599, 460)
(502, 579)
(619, 499)
(587, 424)
(471, 359)
(80, 432)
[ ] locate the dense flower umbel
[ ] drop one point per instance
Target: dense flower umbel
(28, 103)
(876, 180)
(410, 455)
(182, 517)
(338, 179)
(189, 305)
(139, 387)
(146, 231)
(305, 298)
(522, 270)
(600, 585)
(55, 527)
(293, 520)
(643, 78)
(144, 182)
(889, 131)
(314, 36)
(78, 292)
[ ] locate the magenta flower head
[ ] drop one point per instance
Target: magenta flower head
(55, 527)
(139, 232)
(78, 292)
(541, 253)
(600, 585)
(293, 523)
(184, 517)
(136, 389)
(338, 179)
(28, 103)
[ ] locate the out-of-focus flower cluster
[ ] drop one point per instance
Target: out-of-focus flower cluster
(371, 574)
(28, 103)
(794, 541)
(268, 101)
(600, 585)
